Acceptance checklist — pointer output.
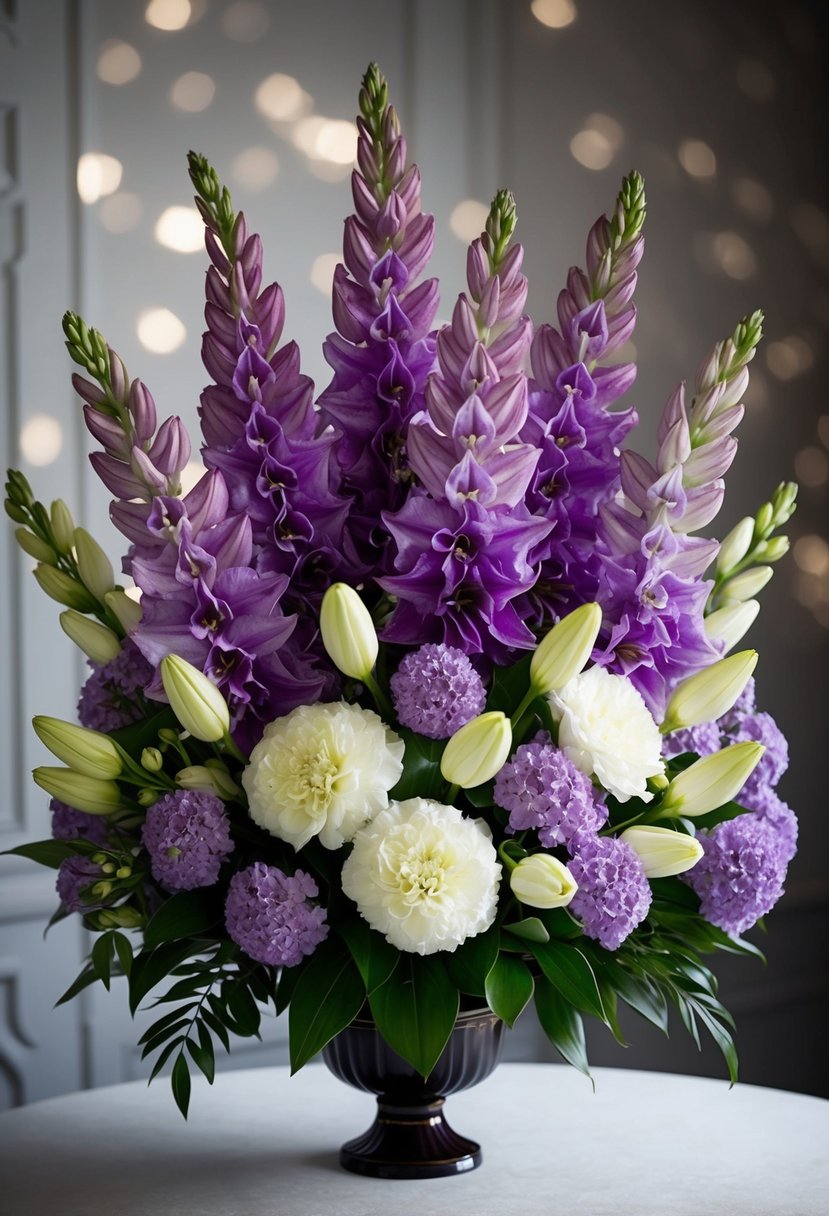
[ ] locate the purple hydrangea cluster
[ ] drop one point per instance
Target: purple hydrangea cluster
(543, 790)
(436, 691)
(111, 697)
(613, 894)
(69, 824)
(187, 835)
(74, 874)
(270, 916)
(762, 728)
(740, 876)
(703, 739)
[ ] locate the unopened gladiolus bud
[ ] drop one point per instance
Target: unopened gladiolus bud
(710, 693)
(102, 889)
(731, 623)
(97, 641)
(125, 608)
(746, 585)
(477, 751)
(120, 918)
(542, 881)
(774, 548)
(64, 589)
(94, 566)
(563, 652)
(152, 760)
(123, 872)
(35, 547)
(63, 526)
(89, 794)
(711, 781)
(85, 751)
(736, 545)
(209, 780)
(348, 632)
(197, 703)
(662, 851)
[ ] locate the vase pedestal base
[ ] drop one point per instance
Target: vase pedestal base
(410, 1142)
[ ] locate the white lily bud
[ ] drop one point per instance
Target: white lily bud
(97, 641)
(735, 546)
(196, 701)
(746, 585)
(711, 781)
(37, 548)
(89, 794)
(542, 881)
(348, 632)
(563, 652)
(125, 608)
(477, 751)
(94, 566)
(729, 624)
(209, 780)
(64, 589)
(85, 751)
(662, 851)
(774, 548)
(63, 526)
(710, 693)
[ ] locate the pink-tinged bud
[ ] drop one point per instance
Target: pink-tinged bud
(130, 518)
(87, 390)
(707, 463)
(477, 269)
(509, 351)
(107, 431)
(222, 326)
(142, 408)
(548, 356)
(675, 447)
(619, 329)
(638, 475)
(420, 304)
(270, 315)
(418, 242)
(693, 558)
(489, 302)
(391, 218)
(239, 234)
(506, 404)
(703, 505)
(117, 476)
(620, 294)
(358, 253)
(117, 375)
(219, 362)
(622, 527)
(151, 477)
(232, 543)
(216, 253)
(598, 243)
(171, 448)
(217, 291)
(365, 204)
(672, 412)
(614, 381)
(208, 501)
(733, 390)
(251, 262)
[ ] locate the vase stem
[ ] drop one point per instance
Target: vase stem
(410, 1142)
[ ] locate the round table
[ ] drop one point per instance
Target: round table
(265, 1144)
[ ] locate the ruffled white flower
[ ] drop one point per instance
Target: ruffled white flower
(423, 876)
(607, 731)
(322, 770)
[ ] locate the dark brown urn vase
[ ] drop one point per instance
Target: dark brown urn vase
(410, 1137)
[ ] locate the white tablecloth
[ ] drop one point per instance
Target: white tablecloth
(265, 1144)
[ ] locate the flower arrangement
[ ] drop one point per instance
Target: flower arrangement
(429, 691)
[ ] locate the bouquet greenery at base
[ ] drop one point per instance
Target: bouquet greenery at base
(428, 691)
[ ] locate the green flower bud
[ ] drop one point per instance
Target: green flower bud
(102, 889)
(94, 566)
(197, 703)
(125, 608)
(124, 872)
(711, 781)
(15, 512)
(124, 917)
(97, 641)
(64, 589)
(736, 545)
(63, 526)
(477, 751)
(765, 518)
(774, 548)
(710, 693)
(746, 585)
(563, 652)
(90, 794)
(542, 881)
(35, 547)
(85, 751)
(731, 623)
(662, 851)
(147, 797)
(348, 632)
(210, 780)
(152, 760)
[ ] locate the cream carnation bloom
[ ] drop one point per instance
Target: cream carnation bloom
(606, 730)
(322, 770)
(423, 876)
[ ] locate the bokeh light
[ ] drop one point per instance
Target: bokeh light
(41, 439)
(322, 271)
(753, 198)
(245, 21)
(121, 212)
(811, 554)
(168, 15)
(180, 228)
(160, 331)
(255, 168)
(696, 158)
(98, 175)
(118, 62)
(756, 80)
(595, 145)
(193, 92)
(789, 357)
(281, 98)
(811, 226)
(468, 219)
(555, 14)
(811, 467)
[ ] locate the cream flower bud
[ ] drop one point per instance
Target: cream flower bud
(746, 585)
(35, 547)
(85, 751)
(64, 589)
(711, 781)
(774, 548)
(662, 851)
(125, 608)
(208, 780)
(542, 881)
(152, 760)
(735, 546)
(731, 623)
(348, 632)
(63, 526)
(89, 794)
(197, 703)
(94, 566)
(97, 641)
(710, 693)
(563, 652)
(477, 751)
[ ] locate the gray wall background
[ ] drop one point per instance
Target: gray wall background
(489, 96)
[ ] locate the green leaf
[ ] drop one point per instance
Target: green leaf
(562, 1025)
(144, 732)
(729, 810)
(244, 1016)
(509, 685)
(509, 988)
(217, 1027)
(45, 852)
(641, 994)
(531, 929)
(150, 967)
(185, 914)
(123, 948)
(164, 1057)
(162, 1025)
(569, 969)
(481, 796)
(421, 767)
(416, 1009)
(329, 994)
(469, 965)
(285, 988)
(560, 924)
(86, 977)
(180, 1081)
(102, 953)
(374, 957)
(203, 1057)
(157, 1040)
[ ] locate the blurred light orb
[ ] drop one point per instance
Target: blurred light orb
(160, 331)
(121, 212)
(756, 80)
(811, 226)
(118, 62)
(98, 175)
(41, 439)
(555, 14)
(282, 98)
(193, 92)
(753, 198)
(734, 255)
(696, 158)
(591, 149)
(255, 168)
(168, 15)
(337, 141)
(322, 271)
(180, 228)
(811, 554)
(327, 171)
(245, 21)
(789, 357)
(811, 466)
(468, 219)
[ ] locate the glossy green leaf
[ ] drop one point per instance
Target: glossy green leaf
(150, 967)
(86, 977)
(374, 957)
(562, 1025)
(101, 956)
(569, 970)
(329, 994)
(509, 988)
(180, 1081)
(45, 852)
(421, 768)
(162, 1025)
(185, 914)
(469, 965)
(531, 929)
(416, 1009)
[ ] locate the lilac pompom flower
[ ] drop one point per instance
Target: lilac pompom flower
(187, 835)
(436, 691)
(75, 875)
(740, 876)
(542, 789)
(269, 914)
(613, 893)
(69, 824)
(703, 739)
(110, 698)
(762, 728)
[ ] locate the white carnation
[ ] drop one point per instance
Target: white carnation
(606, 729)
(322, 770)
(423, 876)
